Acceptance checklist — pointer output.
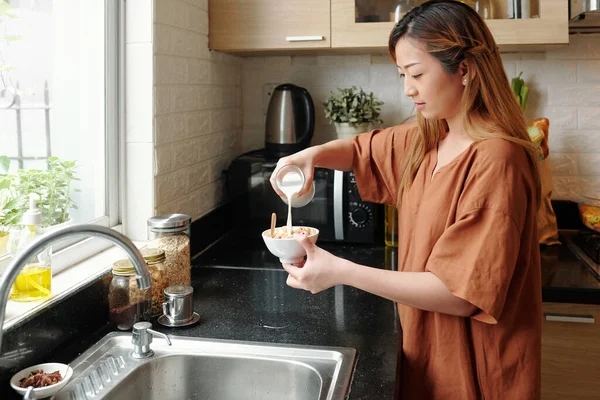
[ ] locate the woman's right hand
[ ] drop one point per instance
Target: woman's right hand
(305, 160)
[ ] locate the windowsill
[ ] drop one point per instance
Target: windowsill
(66, 282)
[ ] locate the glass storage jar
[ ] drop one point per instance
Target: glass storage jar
(401, 7)
(484, 8)
(155, 258)
(171, 233)
(127, 303)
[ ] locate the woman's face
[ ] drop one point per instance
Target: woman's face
(436, 93)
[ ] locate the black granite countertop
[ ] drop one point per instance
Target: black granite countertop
(565, 278)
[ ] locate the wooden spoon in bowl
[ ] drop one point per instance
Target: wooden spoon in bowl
(273, 220)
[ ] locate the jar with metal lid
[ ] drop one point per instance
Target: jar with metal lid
(155, 258)
(127, 303)
(171, 233)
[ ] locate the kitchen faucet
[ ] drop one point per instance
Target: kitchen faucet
(6, 280)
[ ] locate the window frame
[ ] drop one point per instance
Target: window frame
(73, 251)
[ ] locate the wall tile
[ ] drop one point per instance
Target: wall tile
(560, 118)
(583, 47)
(579, 141)
(170, 12)
(170, 69)
(539, 72)
(196, 123)
(564, 164)
(196, 92)
(198, 71)
(589, 164)
(589, 117)
(587, 95)
(588, 71)
(162, 39)
(565, 187)
(170, 127)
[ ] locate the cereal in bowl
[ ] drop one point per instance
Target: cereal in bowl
(282, 233)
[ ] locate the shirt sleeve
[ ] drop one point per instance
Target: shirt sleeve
(476, 256)
(378, 158)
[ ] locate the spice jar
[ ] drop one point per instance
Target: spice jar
(127, 303)
(171, 233)
(155, 258)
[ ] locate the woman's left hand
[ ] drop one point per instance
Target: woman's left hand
(318, 272)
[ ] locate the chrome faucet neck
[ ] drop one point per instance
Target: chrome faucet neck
(19, 260)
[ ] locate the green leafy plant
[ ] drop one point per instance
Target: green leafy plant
(353, 106)
(11, 208)
(54, 188)
(521, 90)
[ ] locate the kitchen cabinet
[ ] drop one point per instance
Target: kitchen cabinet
(352, 26)
(250, 25)
(570, 351)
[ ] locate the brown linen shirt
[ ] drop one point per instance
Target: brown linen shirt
(473, 225)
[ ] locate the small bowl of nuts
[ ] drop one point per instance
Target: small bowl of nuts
(282, 243)
(47, 379)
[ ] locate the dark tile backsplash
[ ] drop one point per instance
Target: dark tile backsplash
(209, 228)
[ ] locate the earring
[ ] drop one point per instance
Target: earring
(465, 81)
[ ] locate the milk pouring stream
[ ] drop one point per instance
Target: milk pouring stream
(290, 185)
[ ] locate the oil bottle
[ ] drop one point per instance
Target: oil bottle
(391, 226)
(35, 279)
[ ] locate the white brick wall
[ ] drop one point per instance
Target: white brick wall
(564, 87)
(197, 110)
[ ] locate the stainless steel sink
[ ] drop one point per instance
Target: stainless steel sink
(195, 368)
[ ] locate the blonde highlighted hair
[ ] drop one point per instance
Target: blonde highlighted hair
(453, 32)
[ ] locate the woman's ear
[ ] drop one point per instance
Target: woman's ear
(463, 68)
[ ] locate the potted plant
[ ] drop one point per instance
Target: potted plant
(54, 188)
(11, 208)
(351, 110)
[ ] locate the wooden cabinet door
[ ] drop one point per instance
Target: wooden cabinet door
(571, 352)
(550, 28)
(251, 25)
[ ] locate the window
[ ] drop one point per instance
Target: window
(60, 102)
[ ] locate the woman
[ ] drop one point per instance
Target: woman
(464, 179)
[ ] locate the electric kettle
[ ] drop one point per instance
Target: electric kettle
(290, 121)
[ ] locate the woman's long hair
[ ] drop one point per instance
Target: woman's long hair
(453, 32)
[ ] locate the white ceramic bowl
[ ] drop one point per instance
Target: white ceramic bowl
(289, 251)
(65, 371)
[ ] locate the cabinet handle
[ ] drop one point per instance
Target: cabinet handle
(304, 38)
(580, 319)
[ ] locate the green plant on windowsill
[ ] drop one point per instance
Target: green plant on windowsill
(10, 204)
(54, 186)
(352, 106)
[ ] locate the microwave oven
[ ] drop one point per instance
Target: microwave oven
(336, 209)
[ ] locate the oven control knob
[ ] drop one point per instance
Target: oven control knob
(360, 216)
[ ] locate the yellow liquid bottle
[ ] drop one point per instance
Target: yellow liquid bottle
(34, 281)
(391, 226)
